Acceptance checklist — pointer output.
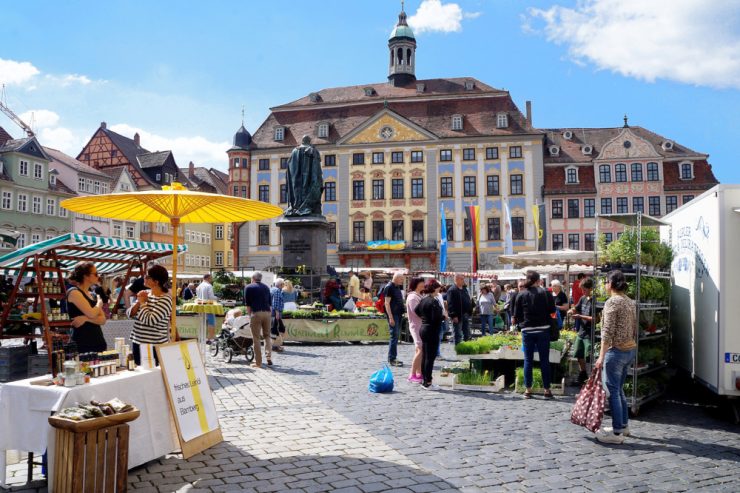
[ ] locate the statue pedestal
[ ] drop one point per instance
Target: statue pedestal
(303, 241)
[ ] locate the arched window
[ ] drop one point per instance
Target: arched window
(636, 172)
(408, 56)
(400, 56)
(620, 172)
(605, 173)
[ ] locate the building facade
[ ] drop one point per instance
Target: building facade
(89, 181)
(614, 170)
(30, 192)
(395, 155)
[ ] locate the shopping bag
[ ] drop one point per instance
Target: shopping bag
(349, 306)
(381, 380)
(589, 408)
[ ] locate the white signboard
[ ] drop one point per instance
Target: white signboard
(190, 396)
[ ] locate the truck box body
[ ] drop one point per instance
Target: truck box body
(705, 297)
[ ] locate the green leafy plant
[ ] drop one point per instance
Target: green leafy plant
(473, 377)
(536, 379)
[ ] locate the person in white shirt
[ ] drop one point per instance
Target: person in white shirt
(204, 292)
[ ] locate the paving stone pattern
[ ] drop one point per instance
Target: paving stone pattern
(310, 425)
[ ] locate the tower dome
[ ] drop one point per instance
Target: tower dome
(402, 50)
(242, 138)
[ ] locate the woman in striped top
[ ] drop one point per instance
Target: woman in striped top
(152, 312)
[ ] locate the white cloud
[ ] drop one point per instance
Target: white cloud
(69, 79)
(61, 138)
(686, 41)
(12, 72)
(40, 118)
(433, 16)
(197, 149)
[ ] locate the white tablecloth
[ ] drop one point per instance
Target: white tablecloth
(24, 410)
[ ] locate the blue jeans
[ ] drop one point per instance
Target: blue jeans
(539, 340)
(616, 366)
(486, 320)
(395, 332)
(462, 329)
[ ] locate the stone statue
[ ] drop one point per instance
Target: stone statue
(304, 182)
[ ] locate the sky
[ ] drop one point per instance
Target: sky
(180, 73)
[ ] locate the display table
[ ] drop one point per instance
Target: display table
(334, 329)
(25, 408)
(204, 309)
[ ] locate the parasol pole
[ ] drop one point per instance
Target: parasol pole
(175, 221)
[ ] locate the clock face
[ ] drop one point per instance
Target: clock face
(386, 132)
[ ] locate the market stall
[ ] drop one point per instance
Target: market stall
(25, 408)
(40, 271)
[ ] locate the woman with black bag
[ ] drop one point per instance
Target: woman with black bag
(534, 312)
(431, 312)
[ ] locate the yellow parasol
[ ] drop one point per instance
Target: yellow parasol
(173, 204)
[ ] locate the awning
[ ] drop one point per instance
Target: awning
(550, 257)
(108, 254)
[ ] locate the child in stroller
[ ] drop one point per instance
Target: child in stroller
(235, 337)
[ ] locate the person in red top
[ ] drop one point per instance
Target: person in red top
(576, 294)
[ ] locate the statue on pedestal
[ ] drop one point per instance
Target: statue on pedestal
(304, 181)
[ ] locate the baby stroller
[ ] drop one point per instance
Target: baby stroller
(235, 338)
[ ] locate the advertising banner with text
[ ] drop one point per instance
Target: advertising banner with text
(326, 330)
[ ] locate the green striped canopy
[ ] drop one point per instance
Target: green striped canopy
(108, 254)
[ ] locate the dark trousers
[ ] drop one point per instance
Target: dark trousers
(429, 348)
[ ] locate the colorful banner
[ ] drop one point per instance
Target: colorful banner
(508, 242)
(443, 241)
(542, 235)
(473, 214)
(327, 330)
(386, 245)
(537, 229)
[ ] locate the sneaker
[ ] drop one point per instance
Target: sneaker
(431, 386)
(395, 362)
(604, 436)
(415, 379)
(625, 431)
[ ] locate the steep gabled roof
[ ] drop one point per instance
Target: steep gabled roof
(127, 146)
(26, 145)
(60, 157)
(153, 159)
(4, 136)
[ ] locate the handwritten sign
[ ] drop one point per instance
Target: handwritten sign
(190, 396)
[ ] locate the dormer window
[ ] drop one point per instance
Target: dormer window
(554, 151)
(687, 171)
(314, 97)
(469, 85)
(369, 91)
(502, 120)
(587, 150)
(323, 130)
(420, 87)
(457, 122)
(571, 175)
(159, 177)
(667, 145)
(279, 133)
(52, 179)
(567, 135)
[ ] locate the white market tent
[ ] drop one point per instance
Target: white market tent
(554, 260)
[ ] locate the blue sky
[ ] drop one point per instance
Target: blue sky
(180, 72)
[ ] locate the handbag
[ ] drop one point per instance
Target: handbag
(589, 408)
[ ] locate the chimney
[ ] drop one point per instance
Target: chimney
(529, 113)
(191, 170)
(103, 125)
(137, 139)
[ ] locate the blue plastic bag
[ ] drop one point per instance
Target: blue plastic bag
(381, 381)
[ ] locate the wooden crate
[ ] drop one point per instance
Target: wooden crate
(91, 461)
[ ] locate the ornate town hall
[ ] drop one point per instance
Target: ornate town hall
(396, 154)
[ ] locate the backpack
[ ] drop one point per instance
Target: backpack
(380, 304)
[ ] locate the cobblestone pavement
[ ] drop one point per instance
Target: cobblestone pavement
(310, 425)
